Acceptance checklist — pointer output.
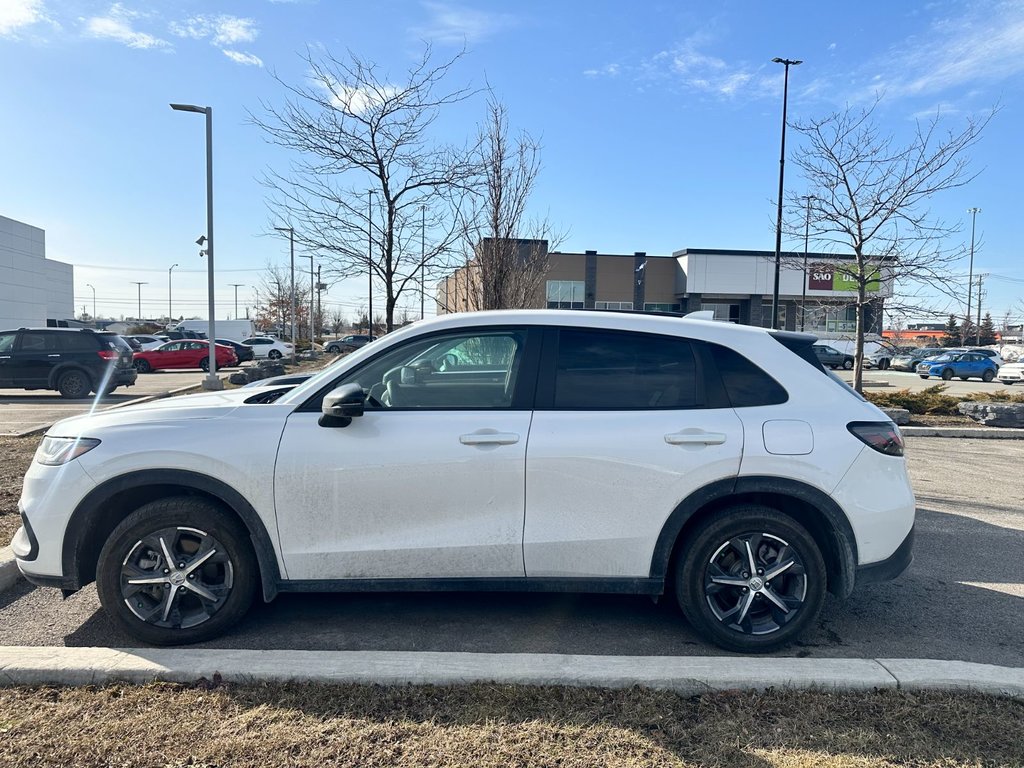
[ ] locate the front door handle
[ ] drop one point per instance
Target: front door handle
(53, 355)
(695, 438)
(489, 438)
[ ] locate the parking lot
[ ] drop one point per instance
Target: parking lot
(913, 382)
(963, 598)
(22, 410)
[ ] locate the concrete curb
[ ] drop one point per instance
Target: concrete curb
(9, 573)
(987, 433)
(686, 674)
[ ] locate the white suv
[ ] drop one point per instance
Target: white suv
(530, 450)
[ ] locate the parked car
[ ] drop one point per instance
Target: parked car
(882, 357)
(266, 346)
(963, 365)
(179, 335)
(832, 357)
(72, 361)
(1011, 373)
(346, 343)
(242, 352)
(992, 354)
(187, 353)
(911, 359)
(146, 342)
(719, 463)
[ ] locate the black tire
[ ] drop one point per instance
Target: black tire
(205, 364)
(963, 378)
(274, 354)
(924, 375)
(186, 528)
(947, 374)
(987, 376)
(334, 348)
(848, 364)
(777, 539)
(142, 366)
(74, 384)
(883, 364)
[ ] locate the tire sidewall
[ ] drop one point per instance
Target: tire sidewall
(166, 513)
(74, 394)
(697, 551)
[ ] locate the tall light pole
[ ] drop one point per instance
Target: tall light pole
(807, 232)
(369, 261)
(312, 307)
(136, 282)
(782, 175)
(170, 314)
(89, 285)
(970, 273)
(211, 382)
(423, 259)
(236, 286)
(291, 248)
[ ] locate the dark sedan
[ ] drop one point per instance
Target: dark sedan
(832, 357)
(242, 352)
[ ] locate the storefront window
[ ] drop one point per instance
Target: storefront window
(613, 305)
(565, 294)
(729, 313)
(766, 315)
(655, 307)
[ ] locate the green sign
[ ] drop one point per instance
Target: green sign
(833, 277)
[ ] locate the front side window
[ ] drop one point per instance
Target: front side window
(35, 342)
(602, 370)
(469, 370)
(7, 342)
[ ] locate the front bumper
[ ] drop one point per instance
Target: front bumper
(891, 567)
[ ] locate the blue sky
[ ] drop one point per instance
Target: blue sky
(660, 121)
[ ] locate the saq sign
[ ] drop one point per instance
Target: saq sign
(829, 277)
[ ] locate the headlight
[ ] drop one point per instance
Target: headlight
(54, 451)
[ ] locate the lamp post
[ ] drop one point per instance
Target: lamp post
(136, 282)
(170, 314)
(291, 249)
(369, 261)
(423, 259)
(782, 174)
(89, 285)
(211, 382)
(970, 273)
(312, 308)
(236, 286)
(807, 231)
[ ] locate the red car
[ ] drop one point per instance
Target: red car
(183, 354)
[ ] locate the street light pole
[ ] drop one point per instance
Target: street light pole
(423, 259)
(236, 286)
(136, 282)
(369, 260)
(170, 314)
(782, 174)
(970, 273)
(211, 382)
(291, 250)
(89, 285)
(312, 308)
(807, 231)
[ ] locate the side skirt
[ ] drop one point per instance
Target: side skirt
(623, 586)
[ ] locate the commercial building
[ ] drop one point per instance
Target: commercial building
(34, 291)
(736, 285)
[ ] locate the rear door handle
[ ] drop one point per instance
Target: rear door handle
(695, 438)
(489, 438)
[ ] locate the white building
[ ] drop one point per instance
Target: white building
(33, 289)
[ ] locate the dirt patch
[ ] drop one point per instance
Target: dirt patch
(16, 453)
(495, 725)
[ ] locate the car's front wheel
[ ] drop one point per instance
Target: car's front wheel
(274, 354)
(848, 364)
(924, 375)
(751, 579)
(987, 376)
(334, 348)
(205, 364)
(947, 374)
(177, 570)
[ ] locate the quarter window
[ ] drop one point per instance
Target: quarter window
(599, 370)
(745, 383)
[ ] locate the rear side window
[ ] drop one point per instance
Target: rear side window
(602, 370)
(745, 383)
(75, 342)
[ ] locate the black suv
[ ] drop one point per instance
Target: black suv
(73, 361)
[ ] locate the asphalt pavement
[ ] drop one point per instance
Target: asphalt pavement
(913, 382)
(963, 598)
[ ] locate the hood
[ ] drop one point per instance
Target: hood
(208, 405)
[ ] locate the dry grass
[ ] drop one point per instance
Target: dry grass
(934, 400)
(15, 456)
(492, 725)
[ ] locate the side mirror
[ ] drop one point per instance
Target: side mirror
(342, 405)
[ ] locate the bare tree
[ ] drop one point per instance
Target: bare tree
(506, 255)
(868, 199)
(275, 284)
(337, 320)
(366, 182)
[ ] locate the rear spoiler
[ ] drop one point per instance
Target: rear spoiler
(800, 345)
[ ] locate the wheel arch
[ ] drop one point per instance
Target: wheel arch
(63, 368)
(814, 509)
(109, 503)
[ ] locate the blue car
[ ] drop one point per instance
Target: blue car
(964, 365)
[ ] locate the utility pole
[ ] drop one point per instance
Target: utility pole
(170, 317)
(369, 260)
(807, 230)
(970, 271)
(136, 282)
(89, 285)
(319, 296)
(977, 328)
(236, 286)
(423, 259)
(291, 244)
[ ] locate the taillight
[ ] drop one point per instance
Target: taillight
(108, 354)
(883, 436)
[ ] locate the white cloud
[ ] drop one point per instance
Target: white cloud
(609, 70)
(455, 24)
(831, 46)
(222, 29)
(117, 26)
(355, 101)
(243, 58)
(15, 14)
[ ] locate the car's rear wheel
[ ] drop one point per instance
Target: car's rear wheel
(205, 364)
(334, 348)
(883, 364)
(924, 375)
(142, 366)
(74, 384)
(987, 376)
(274, 354)
(751, 579)
(178, 570)
(947, 374)
(847, 364)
